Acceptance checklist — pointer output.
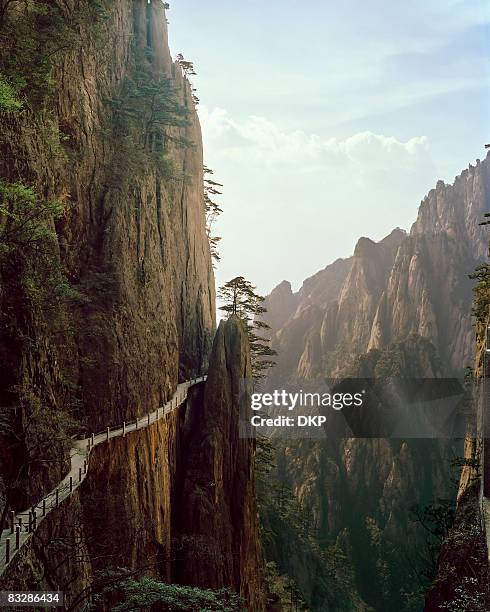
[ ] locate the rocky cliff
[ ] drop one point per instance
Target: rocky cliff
(111, 301)
(218, 495)
(404, 284)
(362, 500)
(400, 305)
(463, 569)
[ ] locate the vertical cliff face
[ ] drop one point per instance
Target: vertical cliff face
(218, 514)
(349, 323)
(131, 242)
(428, 290)
(132, 239)
(131, 228)
(116, 141)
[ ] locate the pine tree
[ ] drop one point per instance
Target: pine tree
(213, 210)
(240, 299)
(187, 67)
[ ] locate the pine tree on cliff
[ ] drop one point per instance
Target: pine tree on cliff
(240, 299)
(187, 67)
(213, 210)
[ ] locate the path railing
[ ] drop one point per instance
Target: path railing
(21, 525)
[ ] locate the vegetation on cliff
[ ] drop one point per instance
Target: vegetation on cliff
(462, 572)
(240, 299)
(34, 37)
(106, 282)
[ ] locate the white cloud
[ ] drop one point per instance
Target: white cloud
(306, 198)
(257, 140)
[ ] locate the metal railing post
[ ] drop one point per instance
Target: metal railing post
(57, 497)
(124, 428)
(148, 418)
(44, 507)
(79, 474)
(17, 537)
(12, 519)
(71, 484)
(93, 439)
(7, 551)
(34, 520)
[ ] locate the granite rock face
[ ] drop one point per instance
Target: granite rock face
(132, 241)
(139, 319)
(218, 512)
(404, 284)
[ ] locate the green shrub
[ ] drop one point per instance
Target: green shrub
(481, 292)
(8, 97)
(34, 35)
(143, 112)
(28, 247)
(140, 593)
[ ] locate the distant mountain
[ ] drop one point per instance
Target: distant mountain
(399, 305)
(404, 284)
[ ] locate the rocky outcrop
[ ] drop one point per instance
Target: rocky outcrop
(428, 291)
(132, 240)
(416, 283)
(360, 292)
(218, 514)
(280, 304)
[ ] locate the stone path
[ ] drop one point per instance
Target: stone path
(23, 524)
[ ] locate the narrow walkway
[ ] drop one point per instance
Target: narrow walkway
(23, 524)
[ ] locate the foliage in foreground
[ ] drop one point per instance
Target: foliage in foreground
(481, 291)
(461, 584)
(138, 594)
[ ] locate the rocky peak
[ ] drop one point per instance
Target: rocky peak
(218, 513)
(457, 209)
(365, 247)
(405, 283)
(281, 304)
(394, 238)
(324, 286)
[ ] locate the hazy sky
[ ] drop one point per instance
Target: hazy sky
(329, 120)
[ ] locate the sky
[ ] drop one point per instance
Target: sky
(326, 121)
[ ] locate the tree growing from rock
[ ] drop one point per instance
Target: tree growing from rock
(239, 298)
(212, 209)
(187, 67)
